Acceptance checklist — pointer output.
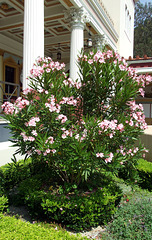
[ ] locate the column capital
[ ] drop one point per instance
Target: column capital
(77, 17)
(100, 41)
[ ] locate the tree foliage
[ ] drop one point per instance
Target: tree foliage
(143, 29)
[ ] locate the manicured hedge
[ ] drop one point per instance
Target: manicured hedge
(145, 174)
(78, 209)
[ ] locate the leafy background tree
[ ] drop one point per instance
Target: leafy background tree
(143, 29)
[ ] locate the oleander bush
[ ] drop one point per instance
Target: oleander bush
(84, 126)
(72, 131)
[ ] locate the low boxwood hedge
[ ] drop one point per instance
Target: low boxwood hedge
(78, 209)
(145, 174)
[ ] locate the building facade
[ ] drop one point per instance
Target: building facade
(32, 28)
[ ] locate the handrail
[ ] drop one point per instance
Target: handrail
(9, 95)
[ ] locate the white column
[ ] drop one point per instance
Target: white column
(1, 79)
(100, 41)
(33, 45)
(77, 18)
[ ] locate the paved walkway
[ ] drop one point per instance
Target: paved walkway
(6, 153)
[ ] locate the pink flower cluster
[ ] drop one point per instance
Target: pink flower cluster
(69, 82)
(49, 151)
(144, 80)
(111, 126)
(32, 122)
(107, 159)
(62, 117)
(19, 104)
(53, 107)
(8, 108)
(137, 117)
(45, 64)
(27, 90)
(50, 140)
(69, 101)
(66, 133)
(101, 155)
(126, 152)
(27, 138)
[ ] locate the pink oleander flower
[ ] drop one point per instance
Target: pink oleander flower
(62, 117)
(120, 127)
(34, 132)
(32, 122)
(27, 90)
(31, 139)
(101, 155)
(77, 136)
(90, 61)
(63, 135)
(38, 151)
(109, 159)
(53, 151)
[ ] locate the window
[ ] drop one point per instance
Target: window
(9, 77)
(127, 22)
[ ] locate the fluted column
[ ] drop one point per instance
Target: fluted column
(100, 41)
(77, 19)
(33, 35)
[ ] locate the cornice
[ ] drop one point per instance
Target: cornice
(97, 8)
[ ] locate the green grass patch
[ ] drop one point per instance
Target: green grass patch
(12, 228)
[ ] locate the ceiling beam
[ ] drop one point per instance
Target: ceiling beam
(60, 39)
(49, 12)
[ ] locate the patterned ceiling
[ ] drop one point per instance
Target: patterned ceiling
(56, 29)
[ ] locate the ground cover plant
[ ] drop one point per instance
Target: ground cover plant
(78, 130)
(133, 218)
(12, 228)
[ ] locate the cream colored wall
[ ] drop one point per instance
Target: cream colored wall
(116, 9)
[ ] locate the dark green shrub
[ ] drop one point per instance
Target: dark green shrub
(133, 220)
(3, 203)
(13, 173)
(145, 173)
(80, 212)
(78, 209)
(1, 182)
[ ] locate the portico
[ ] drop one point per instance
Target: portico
(32, 28)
